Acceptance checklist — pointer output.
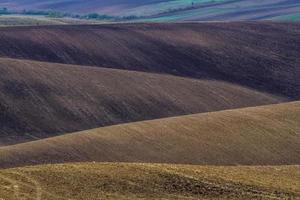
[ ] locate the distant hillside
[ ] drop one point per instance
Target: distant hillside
(229, 10)
(44, 99)
(169, 10)
(253, 55)
(268, 135)
(20, 20)
(78, 6)
(150, 181)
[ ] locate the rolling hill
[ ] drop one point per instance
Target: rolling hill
(267, 135)
(250, 54)
(20, 20)
(150, 110)
(227, 10)
(77, 6)
(168, 10)
(149, 181)
(39, 99)
(174, 94)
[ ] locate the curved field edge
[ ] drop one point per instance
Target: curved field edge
(149, 181)
(251, 54)
(267, 135)
(39, 99)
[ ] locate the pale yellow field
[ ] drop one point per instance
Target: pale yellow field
(149, 181)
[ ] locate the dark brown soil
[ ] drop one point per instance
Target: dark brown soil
(44, 99)
(261, 55)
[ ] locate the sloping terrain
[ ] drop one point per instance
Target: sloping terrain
(167, 10)
(55, 80)
(39, 100)
(77, 6)
(250, 54)
(268, 135)
(149, 181)
(26, 21)
(19, 20)
(227, 10)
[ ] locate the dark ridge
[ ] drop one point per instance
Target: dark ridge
(264, 56)
(44, 99)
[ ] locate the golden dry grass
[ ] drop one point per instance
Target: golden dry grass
(149, 181)
(267, 135)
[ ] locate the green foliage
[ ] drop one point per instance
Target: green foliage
(3, 11)
(97, 16)
(34, 12)
(290, 17)
(55, 14)
(130, 17)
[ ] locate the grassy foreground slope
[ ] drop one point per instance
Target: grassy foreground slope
(267, 135)
(39, 100)
(252, 54)
(149, 181)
